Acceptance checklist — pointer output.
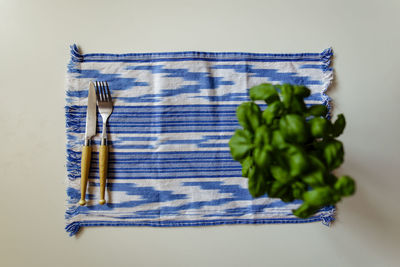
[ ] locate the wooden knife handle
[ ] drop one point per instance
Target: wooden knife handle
(85, 168)
(103, 163)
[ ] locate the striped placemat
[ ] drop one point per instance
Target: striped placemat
(174, 113)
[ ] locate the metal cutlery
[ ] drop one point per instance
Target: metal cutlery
(90, 131)
(105, 105)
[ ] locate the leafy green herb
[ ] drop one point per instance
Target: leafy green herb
(289, 151)
(339, 125)
(317, 110)
(240, 144)
(320, 127)
(273, 111)
(247, 164)
(265, 91)
(257, 184)
(301, 90)
(345, 186)
(287, 95)
(293, 127)
(333, 154)
(280, 173)
(249, 116)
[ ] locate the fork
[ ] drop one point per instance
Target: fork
(105, 105)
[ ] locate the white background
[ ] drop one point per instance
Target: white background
(34, 42)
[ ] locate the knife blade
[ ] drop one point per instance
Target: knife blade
(91, 117)
(90, 131)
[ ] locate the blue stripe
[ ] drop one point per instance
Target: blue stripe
(196, 168)
(205, 59)
(166, 161)
(172, 162)
(151, 166)
(155, 168)
(160, 160)
(166, 106)
(156, 153)
(238, 175)
(155, 115)
(162, 122)
(172, 165)
(174, 112)
(207, 54)
(161, 116)
(164, 131)
(195, 165)
(201, 170)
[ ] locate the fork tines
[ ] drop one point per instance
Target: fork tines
(103, 92)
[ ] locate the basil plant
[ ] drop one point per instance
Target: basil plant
(289, 150)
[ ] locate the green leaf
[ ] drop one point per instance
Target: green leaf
(316, 163)
(246, 165)
(330, 179)
(298, 188)
(305, 211)
(287, 95)
(249, 116)
(262, 157)
(265, 91)
(262, 136)
(345, 186)
(272, 111)
(336, 197)
(320, 127)
(274, 125)
(320, 196)
(333, 154)
(278, 189)
(293, 128)
(278, 141)
(314, 179)
(240, 144)
(297, 159)
(257, 184)
(339, 125)
(251, 172)
(301, 90)
(298, 105)
(317, 111)
(280, 173)
(287, 196)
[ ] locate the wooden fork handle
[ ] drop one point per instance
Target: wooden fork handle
(85, 168)
(103, 163)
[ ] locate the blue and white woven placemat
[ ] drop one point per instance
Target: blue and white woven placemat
(174, 113)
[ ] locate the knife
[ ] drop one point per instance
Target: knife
(87, 148)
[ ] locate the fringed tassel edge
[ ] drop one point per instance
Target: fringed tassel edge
(76, 56)
(328, 217)
(72, 123)
(326, 57)
(73, 157)
(73, 228)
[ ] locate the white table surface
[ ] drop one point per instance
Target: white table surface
(34, 41)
